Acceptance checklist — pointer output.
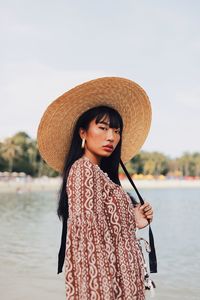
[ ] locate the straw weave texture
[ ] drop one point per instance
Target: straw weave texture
(57, 123)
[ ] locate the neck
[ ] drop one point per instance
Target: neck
(93, 158)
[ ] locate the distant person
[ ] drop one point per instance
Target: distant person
(83, 134)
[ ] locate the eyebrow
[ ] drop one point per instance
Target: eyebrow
(103, 122)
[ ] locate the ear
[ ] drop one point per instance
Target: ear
(82, 133)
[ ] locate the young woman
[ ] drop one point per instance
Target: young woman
(99, 244)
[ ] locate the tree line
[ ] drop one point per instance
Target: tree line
(19, 153)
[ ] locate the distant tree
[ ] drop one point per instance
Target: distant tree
(24, 161)
(153, 163)
(9, 151)
(3, 162)
(33, 154)
(129, 168)
(196, 159)
(20, 153)
(189, 164)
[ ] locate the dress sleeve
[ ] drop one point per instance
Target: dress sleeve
(90, 260)
(80, 189)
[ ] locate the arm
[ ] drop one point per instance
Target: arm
(89, 263)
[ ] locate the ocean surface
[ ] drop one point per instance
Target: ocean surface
(30, 233)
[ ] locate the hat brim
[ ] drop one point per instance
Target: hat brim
(57, 123)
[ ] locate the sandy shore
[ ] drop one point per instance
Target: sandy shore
(53, 184)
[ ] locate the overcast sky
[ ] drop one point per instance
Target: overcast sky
(47, 47)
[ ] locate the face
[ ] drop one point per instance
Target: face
(97, 137)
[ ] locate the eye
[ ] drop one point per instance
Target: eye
(103, 128)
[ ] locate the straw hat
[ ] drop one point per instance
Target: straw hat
(57, 123)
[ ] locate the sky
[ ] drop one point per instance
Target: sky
(48, 47)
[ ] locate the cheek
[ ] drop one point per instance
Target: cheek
(96, 135)
(118, 139)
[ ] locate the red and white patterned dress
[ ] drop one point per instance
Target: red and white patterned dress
(102, 258)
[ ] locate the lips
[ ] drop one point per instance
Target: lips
(109, 146)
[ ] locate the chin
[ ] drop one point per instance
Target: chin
(105, 154)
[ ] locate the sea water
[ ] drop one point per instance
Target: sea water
(30, 233)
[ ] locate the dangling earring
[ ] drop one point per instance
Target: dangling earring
(83, 143)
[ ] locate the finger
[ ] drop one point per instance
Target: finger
(148, 209)
(145, 205)
(149, 218)
(149, 213)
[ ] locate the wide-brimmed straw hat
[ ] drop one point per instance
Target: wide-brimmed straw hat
(57, 123)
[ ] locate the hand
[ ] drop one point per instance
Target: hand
(143, 215)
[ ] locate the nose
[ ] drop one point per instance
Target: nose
(110, 135)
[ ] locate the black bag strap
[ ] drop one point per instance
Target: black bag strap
(152, 253)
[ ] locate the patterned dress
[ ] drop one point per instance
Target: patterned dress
(102, 258)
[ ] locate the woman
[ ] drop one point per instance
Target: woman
(101, 252)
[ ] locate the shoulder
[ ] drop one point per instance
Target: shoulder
(81, 173)
(81, 167)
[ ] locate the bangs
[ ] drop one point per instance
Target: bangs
(113, 117)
